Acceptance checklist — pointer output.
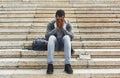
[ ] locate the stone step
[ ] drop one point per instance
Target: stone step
(44, 24)
(13, 37)
(22, 44)
(57, 0)
(57, 4)
(29, 0)
(103, 63)
(36, 16)
(42, 5)
(97, 25)
(12, 44)
(96, 33)
(14, 31)
(101, 53)
(31, 4)
(71, 1)
(72, 20)
(97, 37)
(91, 44)
(97, 9)
(31, 20)
(97, 15)
(23, 24)
(59, 73)
(20, 37)
(92, 30)
(23, 37)
(64, 8)
(36, 9)
(25, 63)
(99, 44)
(83, 30)
(96, 5)
(26, 31)
(98, 20)
(97, 0)
(26, 37)
(97, 12)
(67, 16)
(24, 53)
(80, 2)
(28, 26)
(39, 25)
(47, 11)
(75, 44)
(94, 2)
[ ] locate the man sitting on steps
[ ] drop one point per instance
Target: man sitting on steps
(59, 38)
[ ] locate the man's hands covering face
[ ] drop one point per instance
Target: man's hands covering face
(60, 22)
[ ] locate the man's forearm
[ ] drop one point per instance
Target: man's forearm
(68, 33)
(53, 32)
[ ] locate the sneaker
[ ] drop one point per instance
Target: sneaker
(68, 69)
(50, 69)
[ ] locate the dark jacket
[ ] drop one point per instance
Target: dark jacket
(59, 33)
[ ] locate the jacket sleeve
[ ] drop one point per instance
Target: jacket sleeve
(50, 30)
(68, 31)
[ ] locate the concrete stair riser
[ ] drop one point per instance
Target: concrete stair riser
(76, 37)
(95, 53)
(83, 73)
(67, 4)
(77, 45)
(23, 63)
(47, 11)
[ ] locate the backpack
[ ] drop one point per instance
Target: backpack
(39, 44)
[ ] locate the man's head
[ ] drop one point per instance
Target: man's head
(60, 15)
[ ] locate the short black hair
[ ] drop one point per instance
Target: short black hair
(60, 13)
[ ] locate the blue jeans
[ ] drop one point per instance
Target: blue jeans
(59, 44)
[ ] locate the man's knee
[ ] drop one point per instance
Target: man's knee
(52, 38)
(66, 37)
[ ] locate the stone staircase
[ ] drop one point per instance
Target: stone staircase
(96, 26)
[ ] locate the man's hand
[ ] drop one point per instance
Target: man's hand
(60, 22)
(59, 25)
